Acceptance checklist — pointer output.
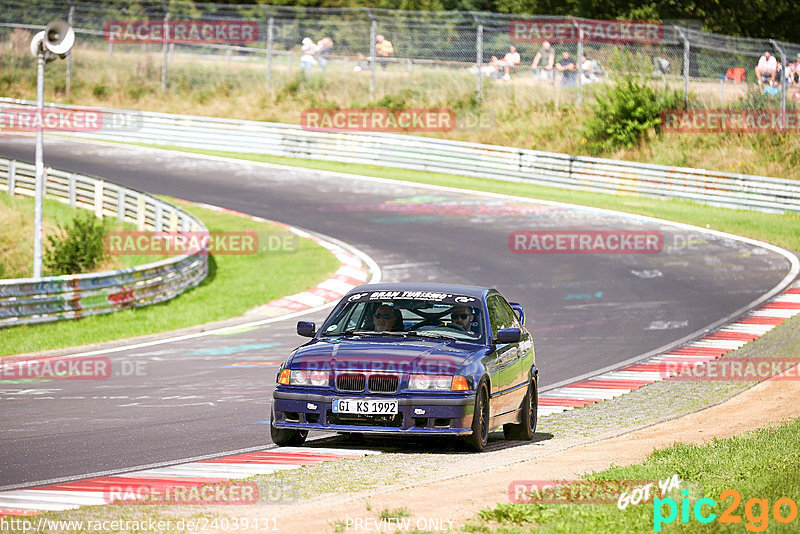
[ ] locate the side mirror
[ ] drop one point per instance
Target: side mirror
(508, 335)
(517, 307)
(306, 328)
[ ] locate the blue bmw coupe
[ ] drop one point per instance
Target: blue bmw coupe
(411, 359)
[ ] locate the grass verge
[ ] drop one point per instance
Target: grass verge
(235, 284)
(746, 464)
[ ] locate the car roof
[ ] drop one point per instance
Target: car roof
(470, 291)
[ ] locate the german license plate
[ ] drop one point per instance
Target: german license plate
(365, 406)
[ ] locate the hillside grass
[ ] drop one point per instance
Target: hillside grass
(519, 112)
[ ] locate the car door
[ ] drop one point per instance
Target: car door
(521, 365)
(504, 369)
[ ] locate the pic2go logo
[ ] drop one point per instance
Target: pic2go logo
(784, 510)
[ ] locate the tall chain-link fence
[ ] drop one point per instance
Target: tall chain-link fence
(154, 43)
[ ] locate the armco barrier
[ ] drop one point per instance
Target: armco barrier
(451, 157)
(28, 300)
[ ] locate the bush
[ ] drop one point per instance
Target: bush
(76, 249)
(101, 91)
(755, 98)
(398, 101)
(627, 109)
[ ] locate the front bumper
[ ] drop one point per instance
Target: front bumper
(301, 409)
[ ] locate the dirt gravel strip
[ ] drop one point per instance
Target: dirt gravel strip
(446, 504)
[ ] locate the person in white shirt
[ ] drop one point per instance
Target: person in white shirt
(307, 60)
(587, 69)
(511, 61)
(767, 69)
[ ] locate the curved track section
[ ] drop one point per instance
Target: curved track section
(587, 311)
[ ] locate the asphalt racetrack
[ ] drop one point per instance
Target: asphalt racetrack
(211, 394)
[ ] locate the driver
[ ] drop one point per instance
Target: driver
(385, 319)
(462, 316)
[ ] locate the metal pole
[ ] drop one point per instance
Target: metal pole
(165, 49)
(372, 33)
(480, 61)
(686, 46)
(478, 55)
(578, 62)
(39, 187)
(70, 19)
(270, 30)
(782, 82)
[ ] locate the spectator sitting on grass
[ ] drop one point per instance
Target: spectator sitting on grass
(794, 72)
(384, 49)
(767, 69)
(588, 70)
(493, 68)
(323, 54)
(547, 56)
(569, 71)
(307, 60)
(511, 61)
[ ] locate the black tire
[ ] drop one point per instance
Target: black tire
(286, 437)
(525, 430)
(480, 421)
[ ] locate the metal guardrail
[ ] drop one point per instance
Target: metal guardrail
(563, 171)
(30, 300)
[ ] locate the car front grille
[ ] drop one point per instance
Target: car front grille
(383, 383)
(354, 382)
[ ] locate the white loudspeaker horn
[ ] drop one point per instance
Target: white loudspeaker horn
(37, 43)
(59, 37)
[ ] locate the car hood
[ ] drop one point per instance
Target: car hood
(407, 355)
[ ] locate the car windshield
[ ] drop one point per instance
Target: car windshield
(435, 315)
